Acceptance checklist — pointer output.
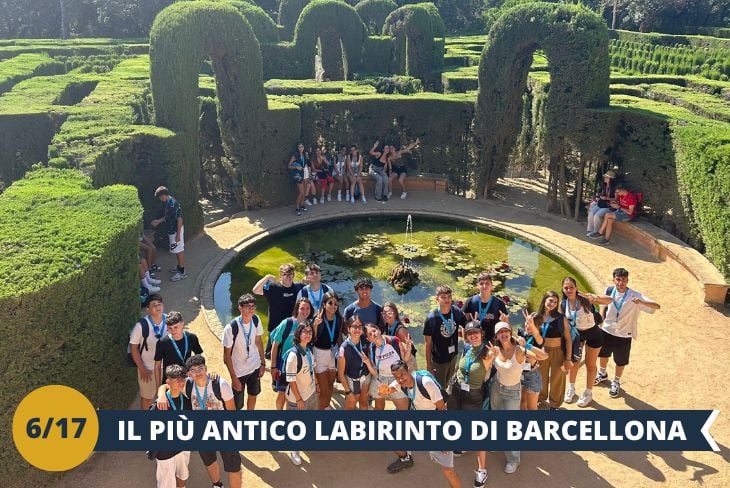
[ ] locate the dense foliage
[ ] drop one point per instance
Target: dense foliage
(374, 12)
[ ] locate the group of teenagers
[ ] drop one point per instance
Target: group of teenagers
(368, 349)
(321, 170)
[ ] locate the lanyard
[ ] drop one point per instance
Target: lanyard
(331, 329)
(358, 349)
(544, 327)
(486, 309)
(202, 401)
(620, 305)
(310, 360)
(177, 349)
(391, 332)
(172, 403)
(411, 393)
(245, 335)
(469, 362)
(380, 356)
(449, 324)
(571, 314)
(316, 303)
(159, 330)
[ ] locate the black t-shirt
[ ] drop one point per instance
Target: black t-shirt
(167, 353)
(281, 302)
(444, 337)
(172, 213)
(186, 405)
(323, 341)
(489, 316)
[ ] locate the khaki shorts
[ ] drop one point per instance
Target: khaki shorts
(147, 389)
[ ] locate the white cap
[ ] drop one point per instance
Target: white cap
(501, 325)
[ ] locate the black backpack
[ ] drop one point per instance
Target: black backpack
(285, 356)
(234, 328)
(143, 346)
(216, 390)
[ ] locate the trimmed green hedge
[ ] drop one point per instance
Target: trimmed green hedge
(263, 26)
(374, 12)
(338, 28)
(414, 52)
(289, 12)
(68, 295)
(182, 36)
(25, 66)
(576, 41)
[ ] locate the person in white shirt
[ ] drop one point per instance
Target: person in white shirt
(620, 327)
(243, 352)
(142, 348)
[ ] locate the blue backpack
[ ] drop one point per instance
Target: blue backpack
(418, 376)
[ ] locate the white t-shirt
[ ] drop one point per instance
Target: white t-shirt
(624, 323)
(304, 378)
(136, 338)
(583, 320)
(420, 402)
(245, 359)
(211, 402)
(383, 357)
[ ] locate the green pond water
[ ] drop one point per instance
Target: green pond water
(442, 251)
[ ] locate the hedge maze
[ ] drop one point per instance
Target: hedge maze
(217, 96)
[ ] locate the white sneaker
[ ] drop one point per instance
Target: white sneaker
(569, 394)
(510, 468)
(585, 399)
(178, 276)
(364, 200)
(154, 281)
(321, 199)
(339, 196)
(296, 459)
(403, 195)
(390, 194)
(329, 197)
(153, 289)
(307, 203)
(352, 200)
(480, 478)
(314, 201)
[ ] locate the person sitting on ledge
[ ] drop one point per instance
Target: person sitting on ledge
(625, 212)
(399, 171)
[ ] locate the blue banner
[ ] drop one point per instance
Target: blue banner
(336, 430)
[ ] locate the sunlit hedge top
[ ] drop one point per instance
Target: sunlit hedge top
(53, 224)
(263, 25)
(414, 24)
(374, 12)
(289, 12)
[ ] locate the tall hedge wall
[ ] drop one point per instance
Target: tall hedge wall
(338, 28)
(289, 12)
(575, 40)
(414, 47)
(183, 35)
(374, 12)
(262, 24)
(68, 294)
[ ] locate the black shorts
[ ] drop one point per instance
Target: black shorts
(593, 337)
(231, 460)
(250, 383)
(620, 347)
(399, 170)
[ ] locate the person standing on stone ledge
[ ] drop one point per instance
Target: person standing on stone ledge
(175, 230)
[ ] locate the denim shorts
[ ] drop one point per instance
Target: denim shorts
(622, 216)
(532, 381)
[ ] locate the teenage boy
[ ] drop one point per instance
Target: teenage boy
(486, 308)
(405, 380)
(209, 393)
(175, 230)
(243, 352)
(172, 466)
(368, 311)
(315, 289)
(280, 297)
(441, 331)
(143, 345)
(620, 327)
(175, 347)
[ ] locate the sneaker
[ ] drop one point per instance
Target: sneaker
(402, 197)
(458, 453)
(153, 289)
(154, 281)
(594, 235)
(585, 399)
(352, 201)
(510, 468)
(364, 200)
(296, 459)
(480, 478)
(400, 464)
(154, 268)
(385, 198)
(339, 196)
(307, 202)
(314, 201)
(329, 198)
(615, 389)
(569, 394)
(303, 209)
(178, 276)
(390, 194)
(600, 378)
(298, 212)
(604, 242)
(321, 200)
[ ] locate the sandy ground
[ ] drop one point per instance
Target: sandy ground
(679, 362)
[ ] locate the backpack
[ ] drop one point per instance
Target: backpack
(286, 357)
(574, 337)
(234, 328)
(216, 390)
(143, 346)
(418, 376)
(604, 310)
(287, 330)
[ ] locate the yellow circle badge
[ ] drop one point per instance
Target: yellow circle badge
(55, 428)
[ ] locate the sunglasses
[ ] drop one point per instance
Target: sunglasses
(333, 303)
